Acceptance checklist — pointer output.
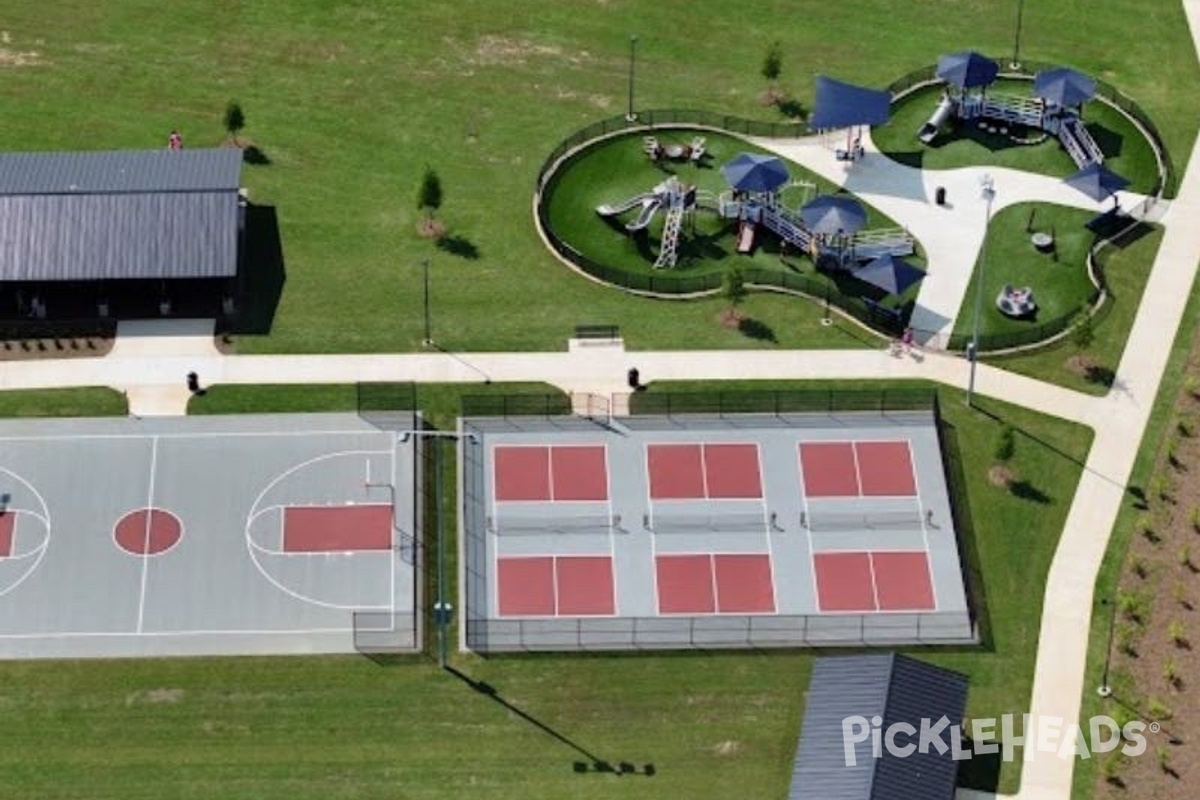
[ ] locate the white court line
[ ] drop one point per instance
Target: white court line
(184, 435)
(550, 473)
(767, 528)
(612, 536)
(395, 553)
(812, 553)
(151, 634)
(653, 535)
(554, 581)
(703, 470)
(874, 585)
(712, 579)
(924, 528)
(146, 537)
(858, 489)
(252, 545)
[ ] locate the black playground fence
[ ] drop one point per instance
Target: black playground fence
(385, 396)
(516, 405)
(783, 401)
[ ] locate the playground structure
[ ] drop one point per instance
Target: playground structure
(1055, 108)
(676, 197)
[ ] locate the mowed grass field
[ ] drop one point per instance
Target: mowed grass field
(708, 725)
(351, 100)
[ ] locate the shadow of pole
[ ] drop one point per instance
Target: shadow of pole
(594, 762)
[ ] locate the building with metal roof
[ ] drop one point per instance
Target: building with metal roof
(126, 215)
(892, 689)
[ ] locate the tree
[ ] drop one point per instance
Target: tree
(1006, 444)
(735, 287)
(1084, 334)
(429, 200)
(235, 120)
(773, 62)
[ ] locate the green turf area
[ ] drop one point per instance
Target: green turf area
(618, 169)
(1126, 269)
(1059, 279)
(83, 402)
(350, 101)
(710, 724)
(1126, 151)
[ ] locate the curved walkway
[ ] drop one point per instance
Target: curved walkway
(152, 368)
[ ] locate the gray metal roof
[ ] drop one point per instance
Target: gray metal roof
(895, 688)
(121, 171)
(111, 236)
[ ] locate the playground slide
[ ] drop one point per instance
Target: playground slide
(745, 242)
(941, 115)
(620, 208)
(649, 209)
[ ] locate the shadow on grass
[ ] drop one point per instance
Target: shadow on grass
(593, 762)
(1108, 140)
(1102, 376)
(263, 272)
(980, 772)
(1025, 490)
(791, 108)
(757, 330)
(254, 155)
(460, 246)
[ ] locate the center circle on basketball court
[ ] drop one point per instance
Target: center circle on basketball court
(147, 531)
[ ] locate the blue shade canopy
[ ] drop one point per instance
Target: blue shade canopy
(842, 105)
(831, 213)
(1097, 181)
(752, 172)
(893, 275)
(1064, 86)
(967, 69)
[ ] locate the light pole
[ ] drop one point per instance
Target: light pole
(989, 194)
(428, 340)
(1016, 59)
(629, 115)
(1105, 690)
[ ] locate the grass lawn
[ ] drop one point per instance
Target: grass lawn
(708, 724)
(1059, 279)
(1127, 268)
(85, 402)
(1126, 151)
(350, 102)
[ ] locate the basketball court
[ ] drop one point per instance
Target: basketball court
(742, 530)
(205, 535)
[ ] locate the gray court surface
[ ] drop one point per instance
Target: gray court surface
(228, 585)
(784, 525)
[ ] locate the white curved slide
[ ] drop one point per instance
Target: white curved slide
(620, 208)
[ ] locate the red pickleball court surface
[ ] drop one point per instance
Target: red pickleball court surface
(828, 469)
(707, 584)
(557, 473)
(866, 582)
(703, 471)
(336, 529)
(8, 526)
(885, 469)
(547, 586)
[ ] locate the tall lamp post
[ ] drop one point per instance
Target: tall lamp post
(629, 115)
(1016, 59)
(989, 194)
(428, 340)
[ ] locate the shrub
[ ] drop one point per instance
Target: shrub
(1173, 452)
(1179, 592)
(1177, 633)
(1130, 606)
(1164, 759)
(1006, 443)
(1194, 518)
(1184, 556)
(1145, 528)
(1171, 673)
(1127, 640)
(1160, 486)
(1139, 567)
(1157, 709)
(1191, 385)
(1186, 426)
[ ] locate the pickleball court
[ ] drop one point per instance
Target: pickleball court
(803, 530)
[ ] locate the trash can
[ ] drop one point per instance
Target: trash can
(940, 195)
(634, 378)
(193, 382)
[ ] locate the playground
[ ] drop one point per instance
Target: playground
(611, 204)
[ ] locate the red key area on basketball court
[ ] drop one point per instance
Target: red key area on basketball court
(557, 473)
(336, 529)
(857, 469)
(547, 586)
(714, 471)
(873, 581)
(8, 526)
(711, 583)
